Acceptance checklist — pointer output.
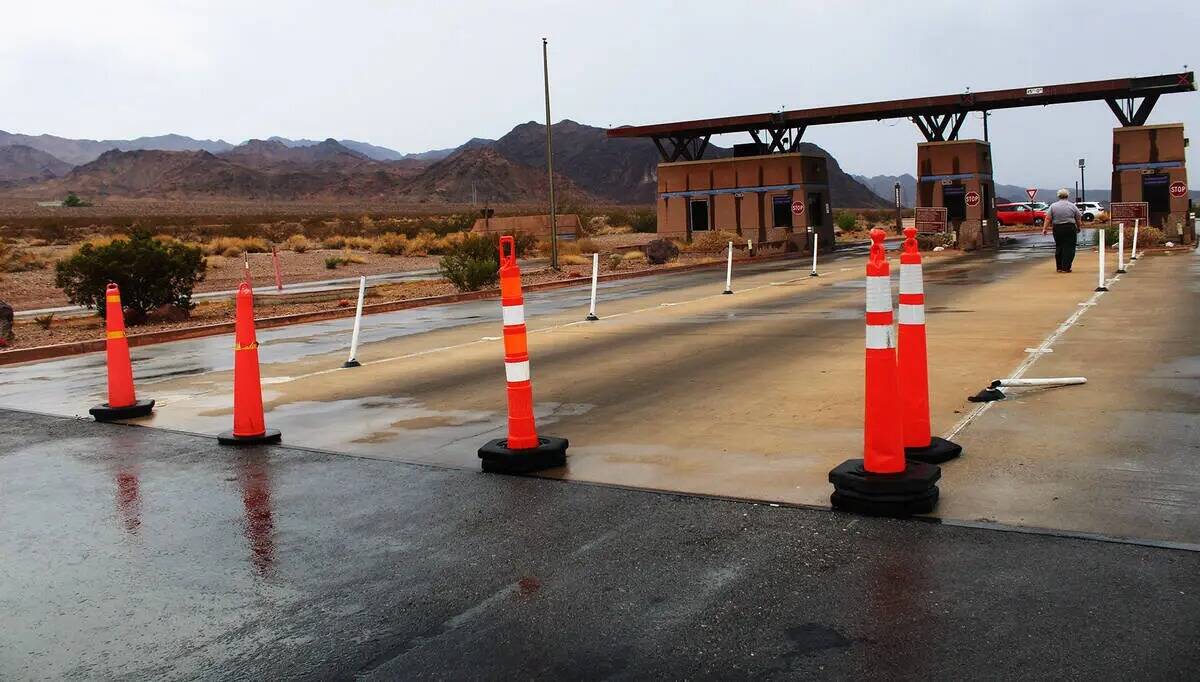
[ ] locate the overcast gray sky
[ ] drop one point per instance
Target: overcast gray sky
(421, 75)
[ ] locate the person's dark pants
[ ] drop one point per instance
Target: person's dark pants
(1065, 236)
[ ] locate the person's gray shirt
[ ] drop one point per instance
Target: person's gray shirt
(1063, 212)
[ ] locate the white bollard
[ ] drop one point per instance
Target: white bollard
(1100, 249)
(1057, 381)
(591, 316)
(353, 361)
(816, 240)
(749, 247)
(729, 271)
(1120, 248)
(1133, 251)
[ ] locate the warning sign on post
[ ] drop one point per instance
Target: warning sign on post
(797, 208)
(972, 198)
(1178, 189)
(931, 219)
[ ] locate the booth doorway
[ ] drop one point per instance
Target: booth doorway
(698, 214)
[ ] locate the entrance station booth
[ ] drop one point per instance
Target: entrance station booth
(1150, 165)
(957, 175)
(769, 198)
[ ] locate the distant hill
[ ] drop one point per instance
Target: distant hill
(20, 163)
(481, 171)
(589, 166)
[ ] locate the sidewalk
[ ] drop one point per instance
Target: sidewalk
(137, 552)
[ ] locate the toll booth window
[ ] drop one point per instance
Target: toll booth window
(698, 209)
(781, 209)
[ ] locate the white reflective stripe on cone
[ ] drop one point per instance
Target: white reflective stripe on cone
(516, 371)
(910, 279)
(879, 295)
(513, 314)
(912, 314)
(879, 336)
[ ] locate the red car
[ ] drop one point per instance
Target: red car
(1020, 214)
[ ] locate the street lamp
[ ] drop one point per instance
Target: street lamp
(1082, 186)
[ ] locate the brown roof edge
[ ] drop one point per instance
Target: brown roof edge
(1034, 95)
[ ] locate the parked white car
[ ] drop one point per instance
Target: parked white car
(1092, 210)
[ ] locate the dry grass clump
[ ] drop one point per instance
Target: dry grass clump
(231, 247)
(573, 259)
(341, 241)
(216, 262)
(391, 244)
(587, 246)
(613, 229)
(16, 259)
(633, 257)
(298, 243)
(711, 241)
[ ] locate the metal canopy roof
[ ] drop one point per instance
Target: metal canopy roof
(933, 115)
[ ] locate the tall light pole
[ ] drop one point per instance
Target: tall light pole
(550, 161)
(1082, 186)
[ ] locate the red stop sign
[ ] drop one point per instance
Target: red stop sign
(972, 198)
(1178, 189)
(797, 208)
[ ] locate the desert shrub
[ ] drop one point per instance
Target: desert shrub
(1147, 236)
(421, 244)
(236, 246)
(150, 273)
(587, 246)
(391, 244)
(926, 241)
(359, 243)
(472, 263)
(44, 321)
(298, 243)
(614, 261)
(53, 233)
(644, 220)
(16, 259)
(613, 229)
(333, 241)
(661, 251)
(845, 220)
(73, 201)
(634, 257)
(574, 259)
(332, 262)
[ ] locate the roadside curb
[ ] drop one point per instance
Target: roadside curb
(35, 353)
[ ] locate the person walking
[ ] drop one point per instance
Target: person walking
(1066, 220)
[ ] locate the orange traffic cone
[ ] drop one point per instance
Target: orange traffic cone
(882, 482)
(122, 402)
(912, 361)
(523, 450)
(248, 425)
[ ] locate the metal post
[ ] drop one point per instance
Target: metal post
(591, 316)
(550, 160)
(278, 276)
(985, 130)
(729, 271)
(899, 219)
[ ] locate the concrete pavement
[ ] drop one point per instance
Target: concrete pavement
(143, 553)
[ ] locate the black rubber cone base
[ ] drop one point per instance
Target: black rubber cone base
(939, 450)
(104, 413)
(1100, 289)
(1121, 271)
(269, 436)
(351, 363)
(987, 395)
(813, 274)
(498, 459)
(912, 491)
(591, 318)
(727, 292)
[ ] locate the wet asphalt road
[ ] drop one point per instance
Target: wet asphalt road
(142, 553)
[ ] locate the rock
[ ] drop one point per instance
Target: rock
(1169, 244)
(660, 251)
(166, 313)
(6, 324)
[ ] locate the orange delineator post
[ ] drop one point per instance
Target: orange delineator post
(523, 450)
(882, 482)
(522, 432)
(883, 436)
(913, 362)
(122, 400)
(249, 426)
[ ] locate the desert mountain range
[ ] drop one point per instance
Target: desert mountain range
(589, 167)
